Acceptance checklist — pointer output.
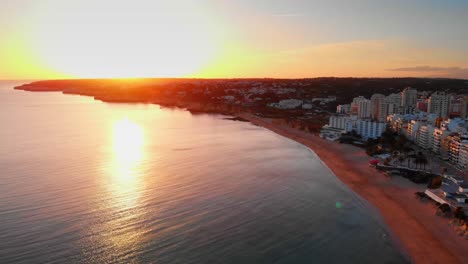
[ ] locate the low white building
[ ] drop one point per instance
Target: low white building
(287, 104)
(346, 123)
(306, 106)
(365, 128)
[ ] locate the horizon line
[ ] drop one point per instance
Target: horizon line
(232, 78)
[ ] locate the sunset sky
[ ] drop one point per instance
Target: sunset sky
(41, 39)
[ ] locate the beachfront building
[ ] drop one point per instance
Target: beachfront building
(463, 155)
(364, 127)
(412, 129)
(396, 123)
(346, 123)
(456, 142)
(453, 191)
(438, 104)
(369, 129)
(438, 136)
(425, 136)
(445, 144)
(337, 126)
(331, 133)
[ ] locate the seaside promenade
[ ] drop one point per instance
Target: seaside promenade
(425, 237)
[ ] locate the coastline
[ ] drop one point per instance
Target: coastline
(423, 237)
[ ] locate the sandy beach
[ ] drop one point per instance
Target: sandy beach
(424, 236)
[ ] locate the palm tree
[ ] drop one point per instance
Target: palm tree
(417, 159)
(409, 157)
(401, 158)
(406, 149)
(424, 161)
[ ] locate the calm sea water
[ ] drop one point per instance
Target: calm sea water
(83, 181)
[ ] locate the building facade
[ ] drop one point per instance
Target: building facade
(378, 108)
(370, 129)
(425, 136)
(438, 104)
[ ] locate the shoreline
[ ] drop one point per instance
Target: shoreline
(422, 236)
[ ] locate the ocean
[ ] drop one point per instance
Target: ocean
(82, 181)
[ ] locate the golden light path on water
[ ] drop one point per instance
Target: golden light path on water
(126, 182)
(127, 152)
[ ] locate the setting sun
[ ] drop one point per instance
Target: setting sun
(160, 39)
(228, 39)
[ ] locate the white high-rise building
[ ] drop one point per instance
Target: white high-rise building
(438, 136)
(464, 107)
(378, 109)
(345, 123)
(463, 155)
(409, 97)
(392, 102)
(361, 107)
(455, 105)
(413, 129)
(369, 129)
(425, 136)
(364, 110)
(438, 104)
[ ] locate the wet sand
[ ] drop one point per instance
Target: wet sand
(425, 237)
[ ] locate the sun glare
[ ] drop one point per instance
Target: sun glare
(155, 39)
(127, 146)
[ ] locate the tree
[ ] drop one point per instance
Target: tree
(401, 158)
(409, 157)
(459, 213)
(417, 159)
(424, 161)
(444, 209)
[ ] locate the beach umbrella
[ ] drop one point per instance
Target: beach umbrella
(374, 161)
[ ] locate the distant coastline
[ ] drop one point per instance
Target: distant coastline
(412, 222)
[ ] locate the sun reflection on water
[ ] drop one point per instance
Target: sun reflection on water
(125, 185)
(128, 139)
